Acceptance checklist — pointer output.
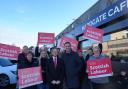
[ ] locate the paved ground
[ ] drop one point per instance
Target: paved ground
(10, 87)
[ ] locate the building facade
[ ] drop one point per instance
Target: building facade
(108, 15)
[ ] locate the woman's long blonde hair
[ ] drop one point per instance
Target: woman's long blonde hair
(47, 56)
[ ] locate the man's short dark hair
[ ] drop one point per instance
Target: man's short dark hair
(67, 43)
(25, 46)
(54, 48)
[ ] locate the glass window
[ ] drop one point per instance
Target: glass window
(5, 62)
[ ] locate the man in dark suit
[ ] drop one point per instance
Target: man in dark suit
(73, 67)
(55, 71)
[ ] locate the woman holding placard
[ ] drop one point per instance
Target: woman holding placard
(98, 81)
(24, 77)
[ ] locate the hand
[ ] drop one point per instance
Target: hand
(53, 82)
(58, 82)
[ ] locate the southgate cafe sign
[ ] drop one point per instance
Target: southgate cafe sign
(117, 9)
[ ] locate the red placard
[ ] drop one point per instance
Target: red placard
(9, 51)
(29, 76)
(94, 33)
(99, 68)
(73, 42)
(46, 38)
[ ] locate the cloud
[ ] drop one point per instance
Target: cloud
(16, 36)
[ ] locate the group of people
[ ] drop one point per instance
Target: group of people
(66, 70)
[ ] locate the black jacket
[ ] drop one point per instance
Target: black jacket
(85, 74)
(37, 53)
(53, 73)
(86, 59)
(27, 64)
(73, 67)
(82, 76)
(21, 56)
(43, 62)
(21, 59)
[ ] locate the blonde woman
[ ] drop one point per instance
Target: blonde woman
(42, 62)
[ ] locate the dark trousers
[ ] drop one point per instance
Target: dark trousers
(51, 86)
(42, 86)
(86, 84)
(74, 88)
(100, 86)
(31, 87)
